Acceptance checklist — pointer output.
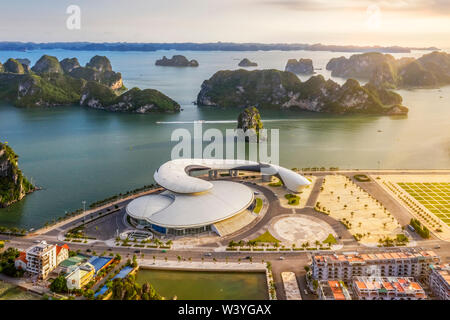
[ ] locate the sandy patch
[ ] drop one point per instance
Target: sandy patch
(365, 216)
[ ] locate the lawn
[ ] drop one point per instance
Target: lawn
(266, 237)
(432, 195)
(258, 206)
(330, 239)
(292, 199)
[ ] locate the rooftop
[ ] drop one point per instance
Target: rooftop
(170, 209)
(42, 247)
(395, 285)
(443, 270)
(73, 261)
(334, 290)
(174, 175)
(369, 257)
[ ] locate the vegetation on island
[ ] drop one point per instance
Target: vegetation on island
(247, 63)
(383, 70)
(176, 61)
(13, 184)
(192, 46)
(250, 119)
(53, 83)
(300, 66)
(284, 90)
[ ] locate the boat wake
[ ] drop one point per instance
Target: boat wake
(219, 121)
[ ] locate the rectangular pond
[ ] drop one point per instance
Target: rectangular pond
(206, 285)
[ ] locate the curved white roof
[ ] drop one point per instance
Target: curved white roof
(173, 175)
(172, 210)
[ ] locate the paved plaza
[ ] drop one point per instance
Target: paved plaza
(297, 229)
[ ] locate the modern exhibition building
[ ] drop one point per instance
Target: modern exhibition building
(191, 205)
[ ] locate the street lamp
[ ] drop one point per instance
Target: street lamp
(84, 205)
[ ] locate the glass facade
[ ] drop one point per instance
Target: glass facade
(171, 231)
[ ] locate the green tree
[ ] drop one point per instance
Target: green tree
(59, 285)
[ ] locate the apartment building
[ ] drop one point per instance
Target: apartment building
(333, 290)
(387, 288)
(42, 258)
(399, 263)
(439, 281)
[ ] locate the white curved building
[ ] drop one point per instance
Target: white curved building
(192, 205)
(174, 175)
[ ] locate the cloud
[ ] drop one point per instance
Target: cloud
(436, 7)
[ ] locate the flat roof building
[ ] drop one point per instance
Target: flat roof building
(333, 290)
(439, 281)
(387, 288)
(407, 263)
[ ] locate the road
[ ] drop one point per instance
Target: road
(106, 228)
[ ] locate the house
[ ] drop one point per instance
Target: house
(62, 253)
(79, 276)
(21, 261)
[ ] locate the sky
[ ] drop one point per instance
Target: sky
(357, 22)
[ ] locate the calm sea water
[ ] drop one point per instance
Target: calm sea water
(78, 154)
(193, 285)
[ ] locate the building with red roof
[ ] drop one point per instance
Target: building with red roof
(398, 263)
(387, 288)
